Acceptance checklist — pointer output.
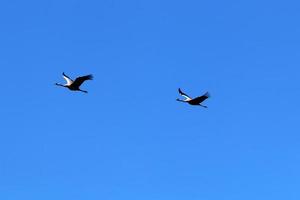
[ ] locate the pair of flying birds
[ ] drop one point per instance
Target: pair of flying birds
(75, 86)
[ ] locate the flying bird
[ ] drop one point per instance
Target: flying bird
(75, 85)
(193, 101)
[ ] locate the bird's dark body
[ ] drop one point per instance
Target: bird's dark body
(197, 100)
(194, 103)
(73, 88)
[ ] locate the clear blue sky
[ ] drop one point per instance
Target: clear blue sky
(128, 138)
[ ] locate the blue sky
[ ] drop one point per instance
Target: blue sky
(128, 138)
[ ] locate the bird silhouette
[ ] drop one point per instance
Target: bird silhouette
(75, 85)
(193, 101)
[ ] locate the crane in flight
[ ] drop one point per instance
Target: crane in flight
(193, 101)
(75, 85)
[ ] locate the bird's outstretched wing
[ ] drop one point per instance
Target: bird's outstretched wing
(184, 95)
(201, 98)
(68, 79)
(78, 81)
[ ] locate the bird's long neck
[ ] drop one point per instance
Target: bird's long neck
(58, 84)
(181, 100)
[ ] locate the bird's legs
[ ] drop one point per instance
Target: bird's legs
(83, 91)
(203, 106)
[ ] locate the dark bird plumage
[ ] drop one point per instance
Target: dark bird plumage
(193, 101)
(75, 85)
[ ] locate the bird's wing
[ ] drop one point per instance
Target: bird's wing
(201, 98)
(69, 81)
(187, 98)
(78, 81)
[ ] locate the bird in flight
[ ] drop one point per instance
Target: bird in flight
(193, 101)
(75, 85)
